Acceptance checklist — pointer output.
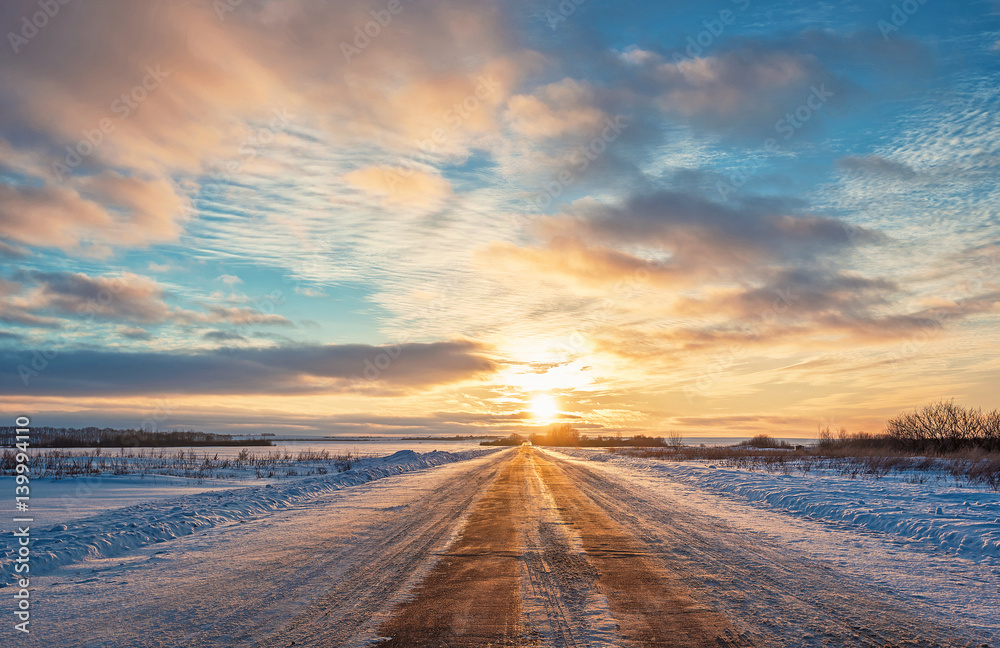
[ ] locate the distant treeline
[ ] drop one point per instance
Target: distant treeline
(457, 437)
(938, 428)
(93, 437)
(565, 435)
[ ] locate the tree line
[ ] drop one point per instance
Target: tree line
(565, 435)
(94, 437)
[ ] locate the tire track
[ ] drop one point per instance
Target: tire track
(471, 597)
(563, 604)
(653, 606)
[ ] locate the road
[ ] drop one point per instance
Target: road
(519, 548)
(556, 554)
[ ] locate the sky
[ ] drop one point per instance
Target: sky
(314, 217)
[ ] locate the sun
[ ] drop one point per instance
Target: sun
(544, 408)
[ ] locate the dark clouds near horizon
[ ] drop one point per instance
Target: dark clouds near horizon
(356, 368)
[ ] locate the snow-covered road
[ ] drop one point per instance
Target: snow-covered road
(333, 563)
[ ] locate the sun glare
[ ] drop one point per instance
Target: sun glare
(544, 408)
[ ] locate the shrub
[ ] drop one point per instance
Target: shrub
(765, 441)
(945, 427)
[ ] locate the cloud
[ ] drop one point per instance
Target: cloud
(93, 213)
(127, 297)
(229, 280)
(807, 309)
(669, 274)
(876, 165)
(575, 261)
(745, 85)
(557, 109)
(401, 186)
(12, 251)
(244, 315)
(133, 333)
(110, 150)
(48, 216)
(721, 87)
(799, 294)
(39, 298)
(697, 238)
(352, 368)
(16, 308)
(223, 336)
(308, 291)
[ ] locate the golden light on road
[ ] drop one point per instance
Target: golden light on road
(544, 408)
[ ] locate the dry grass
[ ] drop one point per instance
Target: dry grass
(180, 463)
(973, 466)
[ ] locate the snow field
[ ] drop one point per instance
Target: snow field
(118, 530)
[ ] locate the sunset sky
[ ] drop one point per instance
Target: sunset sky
(415, 217)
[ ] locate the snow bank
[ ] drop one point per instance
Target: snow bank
(961, 520)
(119, 530)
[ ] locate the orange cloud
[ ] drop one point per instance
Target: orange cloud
(113, 139)
(572, 261)
(401, 186)
(557, 109)
(92, 213)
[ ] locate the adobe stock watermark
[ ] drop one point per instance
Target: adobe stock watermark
(796, 119)
(122, 107)
(22, 521)
(364, 34)
(251, 147)
(725, 361)
(786, 126)
(562, 12)
(699, 43)
(40, 358)
(375, 366)
(623, 289)
(152, 421)
(453, 118)
(32, 24)
(579, 161)
(986, 274)
(264, 307)
(900, 15)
